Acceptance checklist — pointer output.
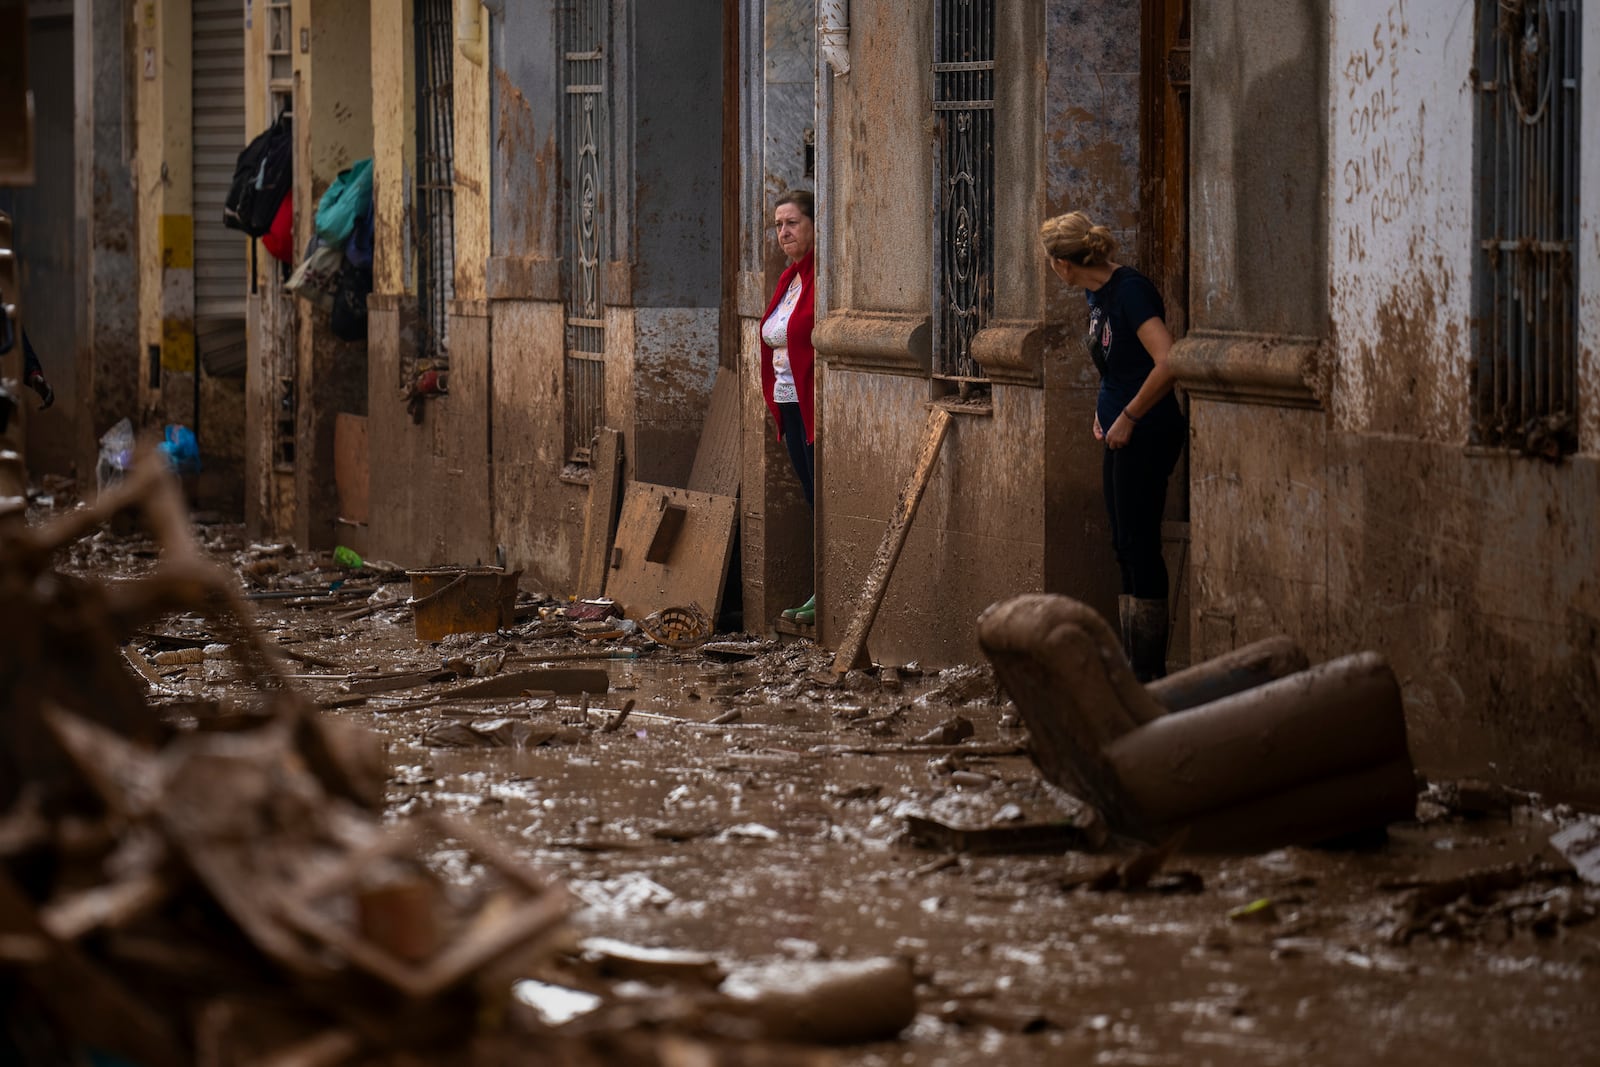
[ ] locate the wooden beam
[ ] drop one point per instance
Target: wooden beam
(852, 650)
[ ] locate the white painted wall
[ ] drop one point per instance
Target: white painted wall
(1400, 202)
(1401, 161)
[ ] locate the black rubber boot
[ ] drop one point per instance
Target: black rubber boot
(1145, 636)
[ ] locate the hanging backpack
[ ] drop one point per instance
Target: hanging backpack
(261, 179)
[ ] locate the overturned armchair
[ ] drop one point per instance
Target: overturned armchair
(1252, 750)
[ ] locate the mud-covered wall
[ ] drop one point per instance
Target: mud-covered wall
(1355, 514)
(429, 499)
(979, 531)
(673, 240)
(1014, 502)
(538, 516)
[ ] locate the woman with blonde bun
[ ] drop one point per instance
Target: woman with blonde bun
(1136, 415)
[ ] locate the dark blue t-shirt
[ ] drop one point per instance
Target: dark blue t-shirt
(1117, 309)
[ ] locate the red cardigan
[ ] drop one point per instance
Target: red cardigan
(801, 354)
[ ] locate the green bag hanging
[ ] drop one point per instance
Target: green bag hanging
(346, 199)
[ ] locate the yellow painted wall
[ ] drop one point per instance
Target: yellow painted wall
(164, 172)
(471, 149)
(394, 142)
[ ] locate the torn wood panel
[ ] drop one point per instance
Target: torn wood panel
(551, 680)
(668, 528)
(599, 520)
(695, 572)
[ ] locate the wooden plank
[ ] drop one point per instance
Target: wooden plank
(598, 522)
(854, 646)
(549, 680)
(694, 573)
(351, 466)
(716, 461)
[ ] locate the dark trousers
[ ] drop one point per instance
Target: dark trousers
(802, 453)
(1135, 482)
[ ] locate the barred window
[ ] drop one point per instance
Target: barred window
(963, 110)
(584, 140)
(435, 200)
(1527, 225)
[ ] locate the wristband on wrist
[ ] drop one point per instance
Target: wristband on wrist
(1131, 416)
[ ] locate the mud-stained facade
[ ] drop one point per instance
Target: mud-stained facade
(495, 469)
(170, 368)
(1014, 504)
(1338, 494)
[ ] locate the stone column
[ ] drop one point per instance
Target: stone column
(107, 359)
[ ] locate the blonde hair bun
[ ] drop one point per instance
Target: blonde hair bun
(1074, 237)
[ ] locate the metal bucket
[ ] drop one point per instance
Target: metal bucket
(459, 600)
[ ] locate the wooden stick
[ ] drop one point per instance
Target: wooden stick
(852, 650)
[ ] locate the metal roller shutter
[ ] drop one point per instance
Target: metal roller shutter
(221, 261)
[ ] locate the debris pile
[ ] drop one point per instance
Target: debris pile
(228, 891)
(225, 892)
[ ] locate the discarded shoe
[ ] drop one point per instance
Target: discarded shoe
(793, 614)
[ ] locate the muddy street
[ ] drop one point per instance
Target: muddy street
(731, 800)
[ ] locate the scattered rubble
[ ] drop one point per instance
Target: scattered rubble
(876, 843)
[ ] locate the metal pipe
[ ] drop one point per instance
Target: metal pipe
(833, 34)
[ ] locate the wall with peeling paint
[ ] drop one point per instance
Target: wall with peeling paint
(1401, 184)
(538, 517)
(166, 226)
(431, 485)
(1335, 495)
(394, 127)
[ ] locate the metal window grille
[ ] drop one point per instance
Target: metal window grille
(279, 315)
(963, 108)
(584, 139)
(1527, 222)
(435, 199)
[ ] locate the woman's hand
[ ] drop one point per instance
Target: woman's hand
(1099, 434)
(1121, 432)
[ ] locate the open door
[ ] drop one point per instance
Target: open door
(1164, 247)
(1164, 177)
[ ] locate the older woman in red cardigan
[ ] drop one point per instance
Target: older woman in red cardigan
(786, 353)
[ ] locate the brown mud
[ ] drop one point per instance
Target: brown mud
(780, 833)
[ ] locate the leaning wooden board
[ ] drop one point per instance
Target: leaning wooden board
(853, 649)
(671, 550)
(606, 479)
(716, 460)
